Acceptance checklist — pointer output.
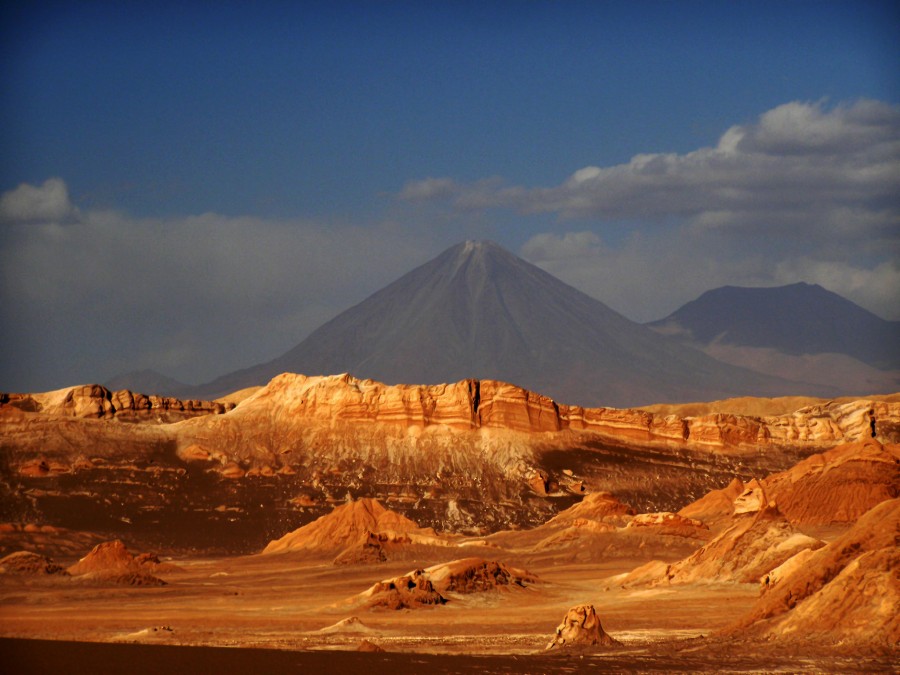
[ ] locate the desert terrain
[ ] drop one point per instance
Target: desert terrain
(341, 524)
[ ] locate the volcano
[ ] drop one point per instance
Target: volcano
(801, 332)
(796, 319)
(478, 311)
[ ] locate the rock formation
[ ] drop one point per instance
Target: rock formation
(581, 629)
(96, 401)
(753, 545)
(836, 486)
(839, 485)
(473, 457)
(476, 575)
(846, 591)
(670, 524)
(486, 404)
(366, 646)
(355, 523)
(430, 586)
(27, 563)
(410, 591)
(112, 561)
(597, 506)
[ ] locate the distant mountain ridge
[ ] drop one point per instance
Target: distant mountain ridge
(795, 319)
(478, 311)
(150, 381)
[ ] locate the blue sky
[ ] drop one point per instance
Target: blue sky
(226, 176)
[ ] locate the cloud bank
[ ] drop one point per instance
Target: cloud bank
(33, 204)
(89, 295)
(805, 192)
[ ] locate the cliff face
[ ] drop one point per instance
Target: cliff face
(474, 456)
(96, 401)
(468, 405)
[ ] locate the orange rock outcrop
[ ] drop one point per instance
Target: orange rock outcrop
(486, 404)
(96, 401)
(351, 523)
(836, 486)
(846, 591)
(581, 628)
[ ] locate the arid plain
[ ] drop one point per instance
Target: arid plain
(345, 524)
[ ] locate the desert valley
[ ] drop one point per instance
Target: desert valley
(449, 337)
(473, 526)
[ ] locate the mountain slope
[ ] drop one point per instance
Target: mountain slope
(797, 319)
(148, 381)
(478, 311)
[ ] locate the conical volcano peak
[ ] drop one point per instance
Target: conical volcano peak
(481, 247)
(470, 246)
(479, 311)
(480, 258)
(480, 251)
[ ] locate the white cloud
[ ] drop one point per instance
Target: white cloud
(813, 171)
(807, 191)
(646, 277)
(429, 188)
(31, 204)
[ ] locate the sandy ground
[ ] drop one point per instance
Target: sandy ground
(278, 610)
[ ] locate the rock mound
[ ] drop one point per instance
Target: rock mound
(366, 646)
(26, 563)
(112, 561)
(751, 547)
(346, 524)
(847, 591)
(597, 506)
(369, 550)
(668, 524)
(426, 587)
(153, 634)
(476, 575)
(837, 486)
(351, 624)
(581, 628)
(410, 591)
(716, 507)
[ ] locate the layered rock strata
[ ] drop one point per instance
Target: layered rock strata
(486, 404)
(96, 401)
(473, 457)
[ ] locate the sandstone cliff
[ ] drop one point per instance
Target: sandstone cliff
(486, 404)
(96, 401)
(474, 456)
